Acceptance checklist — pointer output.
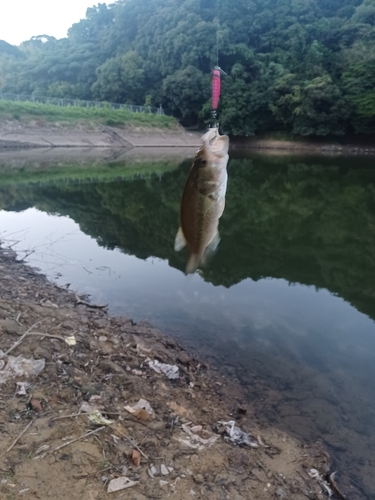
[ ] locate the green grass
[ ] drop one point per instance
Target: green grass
(71, 115)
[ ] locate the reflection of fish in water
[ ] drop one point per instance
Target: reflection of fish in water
(203, 199)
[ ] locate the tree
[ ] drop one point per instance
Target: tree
(121, 79)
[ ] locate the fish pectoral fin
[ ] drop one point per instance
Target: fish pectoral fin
(211, 249)
(221, 146)
(212, 246)
(196, 259)
(180, 241)
(192, 263)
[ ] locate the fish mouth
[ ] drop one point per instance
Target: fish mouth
(217, 144)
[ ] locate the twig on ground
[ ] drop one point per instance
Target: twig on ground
(95, 306)
(136, 446)
(67, 416)
(334, 486)
(41, 334)
(27, 254)
(23, 336)
(131, 441)
(18, 318)
(78, 438)
(22, 433)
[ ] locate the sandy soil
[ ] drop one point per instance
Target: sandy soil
(108, 369)
(17, 135)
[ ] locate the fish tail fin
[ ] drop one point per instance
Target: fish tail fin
(180, 241)
(193, 263)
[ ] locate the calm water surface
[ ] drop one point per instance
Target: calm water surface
(287, 305)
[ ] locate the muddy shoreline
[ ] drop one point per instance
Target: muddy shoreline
(108, 368)
(273, 146)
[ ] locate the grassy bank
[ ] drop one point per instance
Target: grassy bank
(45, 114)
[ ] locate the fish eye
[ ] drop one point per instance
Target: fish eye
(203, 162)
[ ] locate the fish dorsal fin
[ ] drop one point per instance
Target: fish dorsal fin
(180, 241)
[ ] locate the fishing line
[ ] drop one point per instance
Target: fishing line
(215, 75)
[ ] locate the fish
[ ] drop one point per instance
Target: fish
(203, 200)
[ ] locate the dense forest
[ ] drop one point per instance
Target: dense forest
(305, 67)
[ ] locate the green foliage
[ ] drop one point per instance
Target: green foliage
(72, 114)
(186, 90)
(8, 49)
(121, 79)
(301, 66)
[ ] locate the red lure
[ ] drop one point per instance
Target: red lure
(215, 88)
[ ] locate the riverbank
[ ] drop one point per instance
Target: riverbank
(16, 135)
(278, 145)
(76, 421)
(41, 133)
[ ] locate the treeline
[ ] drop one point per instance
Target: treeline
(305, 67)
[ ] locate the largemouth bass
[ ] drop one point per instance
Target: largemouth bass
(203, 199)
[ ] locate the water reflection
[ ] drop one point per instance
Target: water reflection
(293, 278)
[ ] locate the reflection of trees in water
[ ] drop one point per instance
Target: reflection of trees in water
(304, 222)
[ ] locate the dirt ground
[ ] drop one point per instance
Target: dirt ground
(67, 434)
(40, 134)
(14, 134)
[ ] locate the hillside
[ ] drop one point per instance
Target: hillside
(306, 67)
(27, 124)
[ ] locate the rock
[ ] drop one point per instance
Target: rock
(35, 405)
(198, 478)
(90, 390)
(93, 345)
(68, 325)
(106, 348)
(157, 426)
(101, 323)
(150, 442)
(184, 358)
(111, 366)
(136, 458)
(42, 352)
(281, 493)
(164, 470)
(222, 479)
(11, 327)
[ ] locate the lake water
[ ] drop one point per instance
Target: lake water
(287, 305)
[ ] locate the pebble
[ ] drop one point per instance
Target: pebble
(281, 493)
(157, 426)
(164, 470)
(198, 478)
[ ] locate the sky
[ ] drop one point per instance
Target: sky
(22, 19)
